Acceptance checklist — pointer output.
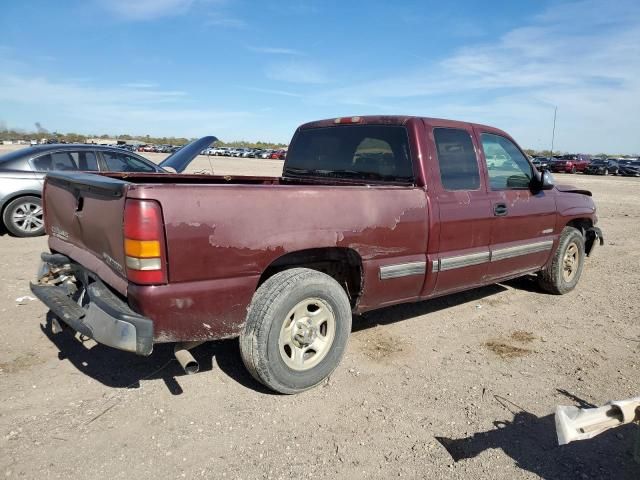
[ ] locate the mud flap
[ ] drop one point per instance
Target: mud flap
(593, 237)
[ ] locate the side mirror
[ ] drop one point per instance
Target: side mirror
(544, 180)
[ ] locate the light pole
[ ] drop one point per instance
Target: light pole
(553, 134)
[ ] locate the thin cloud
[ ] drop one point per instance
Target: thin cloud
(283, 93)
(297, 72)
(275, 51)
(222, 21)
(136, 111)
(146, 9)
(139, 85)
(588, 73)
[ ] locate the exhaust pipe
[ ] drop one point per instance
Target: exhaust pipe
(181, 351)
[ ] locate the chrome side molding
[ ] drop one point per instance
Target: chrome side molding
(402, 270)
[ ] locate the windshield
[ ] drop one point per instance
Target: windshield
(374, 152)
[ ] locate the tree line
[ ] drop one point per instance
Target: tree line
(7, 134)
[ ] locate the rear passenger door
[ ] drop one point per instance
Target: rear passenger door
(465, 215)
(522, 232)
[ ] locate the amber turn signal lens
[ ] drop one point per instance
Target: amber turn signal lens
(142, 248)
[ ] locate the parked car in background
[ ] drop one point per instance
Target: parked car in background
(541, 163)
(570, 163)
(629, 168)
(602, 167)
(279, 155)
(22, 174)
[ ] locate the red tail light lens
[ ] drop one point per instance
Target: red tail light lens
(144, 242)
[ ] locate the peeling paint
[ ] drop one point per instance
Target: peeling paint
(181, 303)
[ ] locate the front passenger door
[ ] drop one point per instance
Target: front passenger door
(523, 229)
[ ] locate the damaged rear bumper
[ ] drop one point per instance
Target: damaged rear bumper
(103, 316)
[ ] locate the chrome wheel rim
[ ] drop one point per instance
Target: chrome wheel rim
(571, 262)
(27, 217)
(307, 334)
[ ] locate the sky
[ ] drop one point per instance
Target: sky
(255, 70)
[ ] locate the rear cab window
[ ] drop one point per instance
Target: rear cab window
(367, 152)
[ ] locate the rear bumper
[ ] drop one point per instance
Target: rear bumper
(104, 317)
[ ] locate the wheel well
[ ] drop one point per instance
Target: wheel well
(581, 224)
(342, 264)
(11, 199)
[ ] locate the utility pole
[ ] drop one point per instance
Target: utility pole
(553, 135)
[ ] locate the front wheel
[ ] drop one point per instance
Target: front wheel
(563, 272)
(297, 329)
(23, 217)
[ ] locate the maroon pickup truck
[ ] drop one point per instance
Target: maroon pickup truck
(368, 212)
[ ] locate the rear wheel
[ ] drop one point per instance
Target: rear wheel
(297, 329)
(563, 272)
(23, 217)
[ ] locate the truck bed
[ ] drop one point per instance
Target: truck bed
(222, 233)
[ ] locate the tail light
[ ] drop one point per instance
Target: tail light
(144, 242)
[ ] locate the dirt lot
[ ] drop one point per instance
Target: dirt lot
(479, 373)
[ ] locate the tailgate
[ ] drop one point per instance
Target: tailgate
(84, 215)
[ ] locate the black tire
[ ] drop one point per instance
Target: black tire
(23, 207)
(271, 304)
(553, 278)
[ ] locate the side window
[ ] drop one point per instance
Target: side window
(507, 166)
(457, 159)
(54, 161)
(85, 160)
(121, 162)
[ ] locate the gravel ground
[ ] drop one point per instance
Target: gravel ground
(460, 387)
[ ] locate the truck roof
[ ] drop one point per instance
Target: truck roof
(392, 120)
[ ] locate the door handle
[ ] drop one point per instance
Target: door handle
(500, 209)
